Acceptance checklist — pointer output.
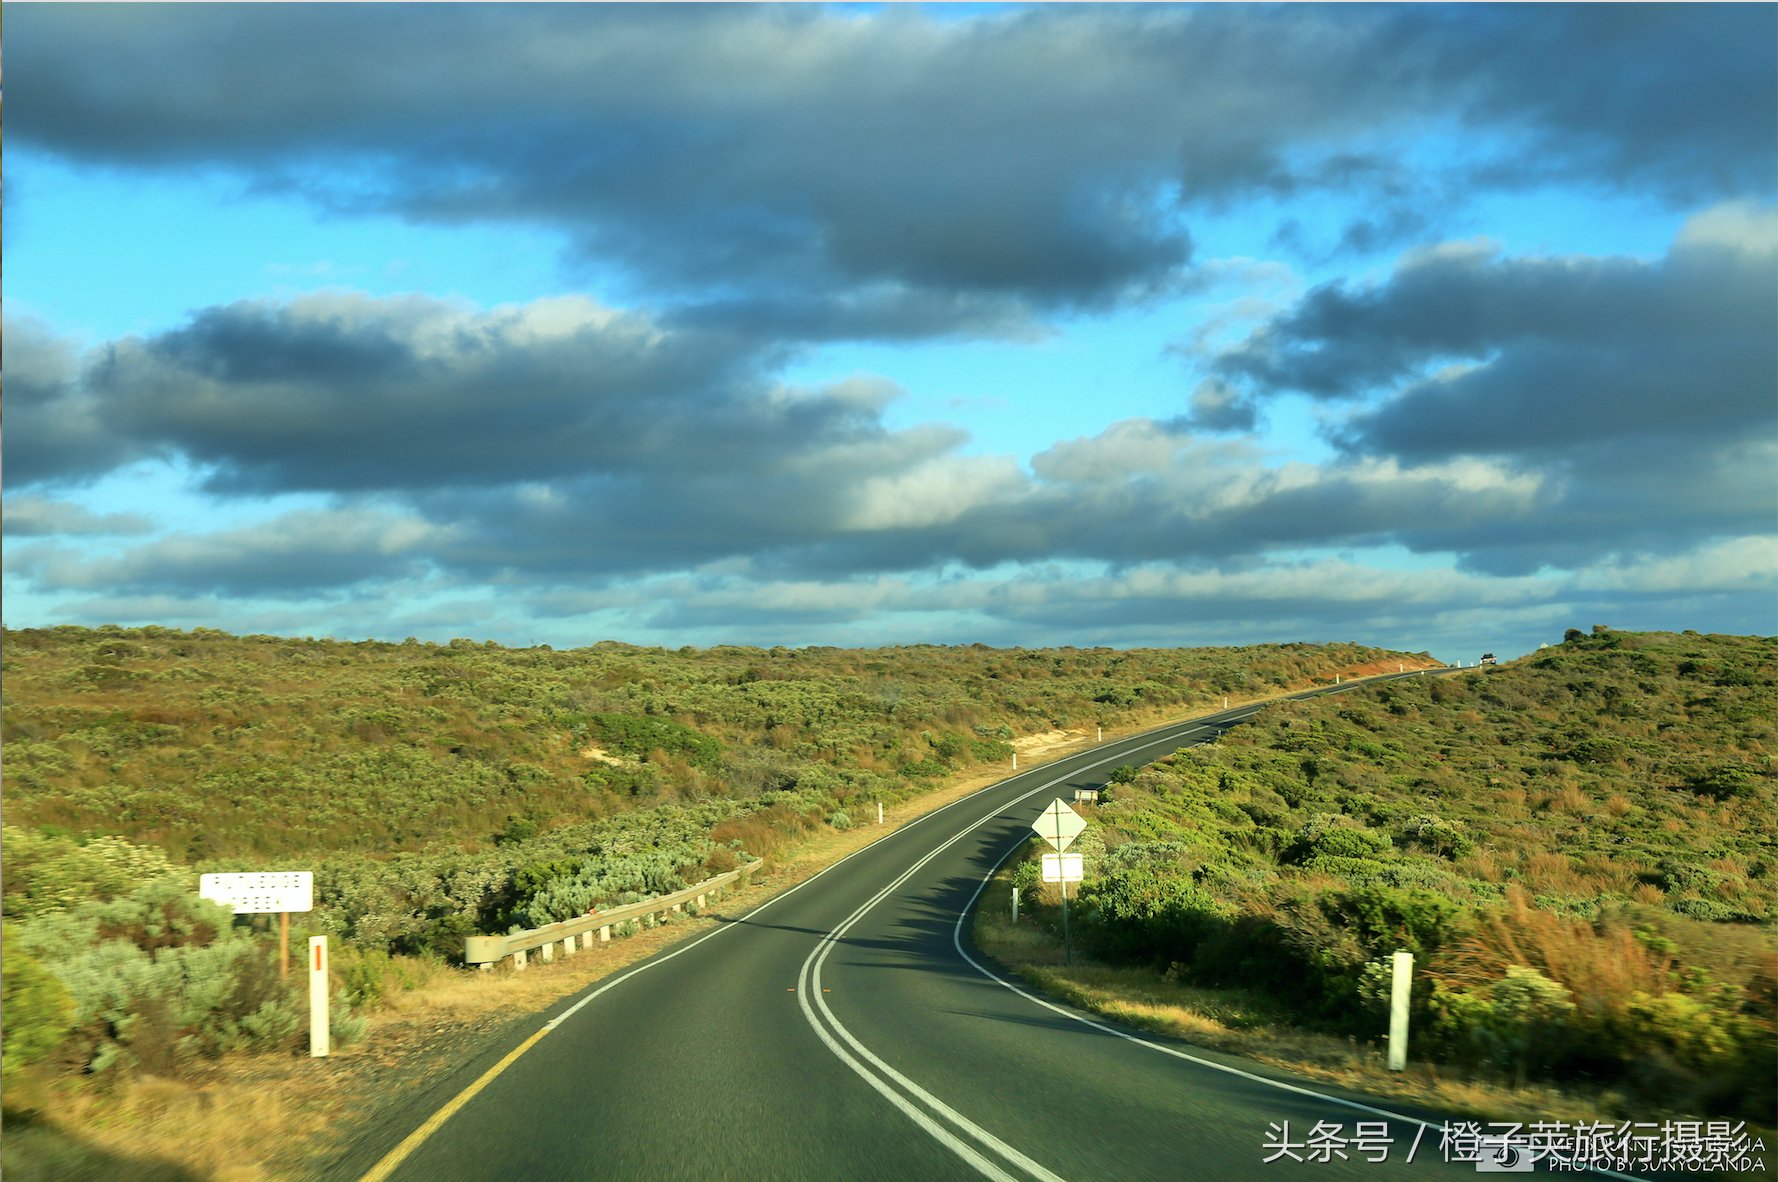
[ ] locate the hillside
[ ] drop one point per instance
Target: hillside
(1581, 847)
(262, 752)
(206, 744)
(438, 791)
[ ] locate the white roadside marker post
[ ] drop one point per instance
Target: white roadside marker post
(318, 1045)
(1400, 981)
(1015, 904)
(879, 812)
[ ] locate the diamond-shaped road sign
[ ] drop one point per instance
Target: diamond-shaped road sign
(1059, 825)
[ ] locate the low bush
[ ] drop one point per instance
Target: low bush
(156, 978)
(38, 1011)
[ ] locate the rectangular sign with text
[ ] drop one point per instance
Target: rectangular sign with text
(1062, 868)
(261, 892)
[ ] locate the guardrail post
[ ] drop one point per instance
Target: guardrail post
(518, 960)
(605, 934)
(548, 951)
(700, 902)
(568, 945)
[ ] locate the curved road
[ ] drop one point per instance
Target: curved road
(845, 1029)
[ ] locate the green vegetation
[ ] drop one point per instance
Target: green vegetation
(1579, 848)
(442, 790)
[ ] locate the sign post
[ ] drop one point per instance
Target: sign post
(261, 893)
(1064, 869)
(1060, 825)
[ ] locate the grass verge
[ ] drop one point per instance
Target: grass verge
(1239, 1022)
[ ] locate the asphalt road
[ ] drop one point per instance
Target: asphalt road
(848, 1029)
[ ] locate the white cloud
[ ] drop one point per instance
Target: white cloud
(1747, 226)
(1733, 564)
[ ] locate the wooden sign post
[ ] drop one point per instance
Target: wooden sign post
(263, 892)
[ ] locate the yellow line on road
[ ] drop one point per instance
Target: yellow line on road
(381, 1171)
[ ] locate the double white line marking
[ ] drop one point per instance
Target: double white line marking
(919, 1105)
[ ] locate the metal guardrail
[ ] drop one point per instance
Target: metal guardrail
(487, 950)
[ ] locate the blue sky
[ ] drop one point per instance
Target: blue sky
(678, 325)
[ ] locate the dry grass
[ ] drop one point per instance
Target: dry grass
(1552, 872)
(1483, 864)
(204, 1126)
(1602, 967)
(1570, 799)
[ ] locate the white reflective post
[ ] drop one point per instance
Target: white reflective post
(1400, 981)
(318, 1044)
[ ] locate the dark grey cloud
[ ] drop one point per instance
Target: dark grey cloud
(1663, 97)
(560, 441)
(69, 439)
(1576, 354)
(339, 392)
(772, 164)
(1641, 393)
(1563, 349)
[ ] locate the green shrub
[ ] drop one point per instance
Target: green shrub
(1332, 836)
(1447, 839)
(156, 978)
(45, 873)
(1146, 906)
(36, 1007)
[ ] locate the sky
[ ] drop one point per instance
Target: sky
(1439, 328)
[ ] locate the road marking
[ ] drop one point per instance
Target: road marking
(392, 1160)
(400, 1153)
(811, 974)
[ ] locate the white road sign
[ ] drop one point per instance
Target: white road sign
(260, 892)
(1059, 825)
(1063, 868)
